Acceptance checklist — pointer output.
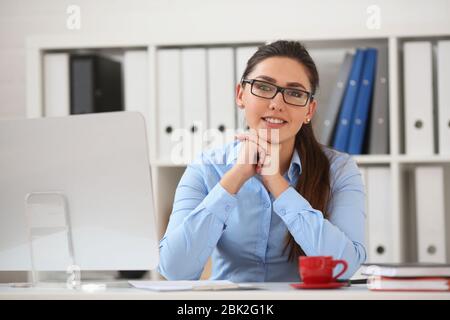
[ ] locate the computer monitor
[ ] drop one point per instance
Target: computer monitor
(89, 173)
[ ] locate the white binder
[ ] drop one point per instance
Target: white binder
(242, 56)
(431, 220)
(169, 105)
(363, 171)
(194, 102)
(379, 215)
(221, 100)
(136, 87)
(418, 95)
(56, 85)
(443, 73)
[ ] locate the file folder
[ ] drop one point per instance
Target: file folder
(194, 101)
(221, 93)
(96, 84)
(443, 71)
(431, 219)
(328, 109)
(360, 115)
(418, 95)
(380, 215)
(379, 120)
(342, 134)
(56, 85)
(136, 86)
(243, 54)
(170, 141)
(363, 171)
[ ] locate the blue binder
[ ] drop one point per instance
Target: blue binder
(342, 132)
(363, 103)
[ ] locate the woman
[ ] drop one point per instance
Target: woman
(272, 195)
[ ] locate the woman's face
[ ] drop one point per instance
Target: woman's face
(283, 72)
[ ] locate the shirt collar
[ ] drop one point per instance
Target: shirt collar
(295, 167)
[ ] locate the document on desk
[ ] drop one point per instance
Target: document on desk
(190, 285)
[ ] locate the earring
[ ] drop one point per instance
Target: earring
(308, 120)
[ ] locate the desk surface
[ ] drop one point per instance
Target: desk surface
(266, 291)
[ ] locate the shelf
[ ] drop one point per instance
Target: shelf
(373, 159)
(424, 159)
(360, 159)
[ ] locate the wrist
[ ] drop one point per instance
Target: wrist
(276, 184)
(233, 180)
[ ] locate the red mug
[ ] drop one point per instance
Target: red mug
(319, 269)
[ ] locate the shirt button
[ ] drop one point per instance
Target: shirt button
(283, 211)
(266, 205)
(227, 207)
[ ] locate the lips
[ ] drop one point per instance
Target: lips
(270, 123)
(274, 120)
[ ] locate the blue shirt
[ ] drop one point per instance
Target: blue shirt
(245, 233)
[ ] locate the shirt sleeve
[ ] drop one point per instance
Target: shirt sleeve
(197, 221)
(342, 236)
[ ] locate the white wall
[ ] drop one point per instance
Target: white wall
(224, 20)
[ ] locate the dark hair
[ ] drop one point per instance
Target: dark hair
(314, 181)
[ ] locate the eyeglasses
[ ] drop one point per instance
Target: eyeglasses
(268, 90)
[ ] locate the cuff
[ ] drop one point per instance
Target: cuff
(289, 199)
(220, 202)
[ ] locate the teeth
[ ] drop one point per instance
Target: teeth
(273, 120)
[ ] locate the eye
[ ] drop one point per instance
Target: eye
(263, 86)
(296, 93)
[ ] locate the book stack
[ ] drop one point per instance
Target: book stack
(408, 277)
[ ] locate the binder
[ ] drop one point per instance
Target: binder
(379, 119)
(363, 103)
(342, 134)
(243, 54)
(379, 215)
(194, 101)
(431, 220)
(418, 93)
(327, 113)
(168, 77)
(443, 75)
(136, 86)
(363, 171)
(221, 93)
(95, 84)
(56, 84)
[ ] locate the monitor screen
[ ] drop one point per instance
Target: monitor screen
(78, 185)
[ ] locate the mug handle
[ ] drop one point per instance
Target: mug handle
(344, 263)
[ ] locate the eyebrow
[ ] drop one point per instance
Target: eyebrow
(289, 84)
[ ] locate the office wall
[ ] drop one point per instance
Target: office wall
(223, 20)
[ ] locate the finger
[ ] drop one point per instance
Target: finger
(262, 156)
(241, 137)
(260, 141)
(252, 152)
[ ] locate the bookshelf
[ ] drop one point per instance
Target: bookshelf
(166, 174)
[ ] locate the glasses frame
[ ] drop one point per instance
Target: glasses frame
(279, 89)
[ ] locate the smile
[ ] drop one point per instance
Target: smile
(274, 122)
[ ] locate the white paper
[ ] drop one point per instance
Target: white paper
(186, 285)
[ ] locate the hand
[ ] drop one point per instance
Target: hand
(267, 161)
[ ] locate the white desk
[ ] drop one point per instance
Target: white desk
(269, 291)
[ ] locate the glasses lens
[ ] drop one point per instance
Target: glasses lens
(263, 89)
(297, 97)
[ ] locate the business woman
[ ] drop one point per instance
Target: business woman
(257, 204)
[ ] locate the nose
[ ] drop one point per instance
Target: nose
(277, 102)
